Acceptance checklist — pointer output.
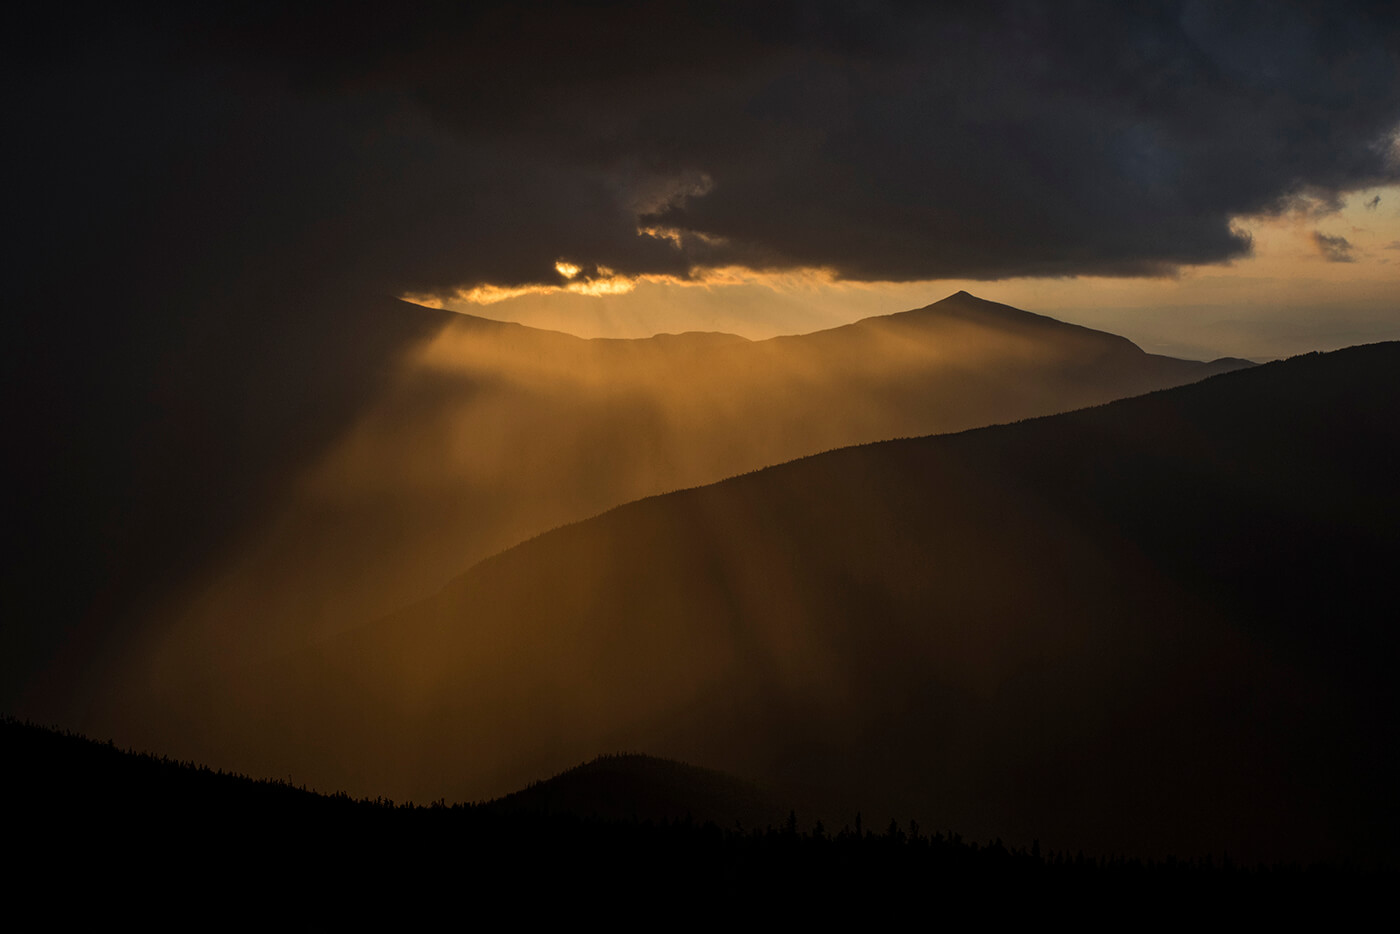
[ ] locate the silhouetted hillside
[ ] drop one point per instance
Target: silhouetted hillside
(637, 787)
(1158, 626)
(91, 827)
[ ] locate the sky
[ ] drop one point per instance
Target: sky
(1205, 178)
(1312, 280)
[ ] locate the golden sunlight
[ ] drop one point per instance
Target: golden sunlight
(1345, 262)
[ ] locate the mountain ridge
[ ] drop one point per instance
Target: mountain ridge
(489, 433)
(961, 304)
(638, 786)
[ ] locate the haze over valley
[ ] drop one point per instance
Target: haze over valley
(488, 434)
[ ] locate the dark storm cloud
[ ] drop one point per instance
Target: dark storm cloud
(426, 150)
(1334, 249)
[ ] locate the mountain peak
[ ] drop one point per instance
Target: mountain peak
(964, 305)
(964, 297)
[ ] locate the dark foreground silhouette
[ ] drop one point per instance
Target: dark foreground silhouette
(93, 830)
(1160, 626)
(637, 787)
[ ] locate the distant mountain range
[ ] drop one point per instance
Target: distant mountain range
(481, 434)
(1161, 625)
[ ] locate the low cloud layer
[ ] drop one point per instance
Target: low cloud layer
(440, 150)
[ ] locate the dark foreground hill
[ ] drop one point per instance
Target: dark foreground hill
(92, 829)
(1160, 626)
(636, 788)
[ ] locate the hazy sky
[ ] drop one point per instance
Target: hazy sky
(834, 159)
(1313, 280)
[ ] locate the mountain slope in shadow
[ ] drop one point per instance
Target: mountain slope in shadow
(1158, 626)
(495, 432)
(634, 787)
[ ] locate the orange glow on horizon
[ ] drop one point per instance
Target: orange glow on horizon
(1286, 297)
